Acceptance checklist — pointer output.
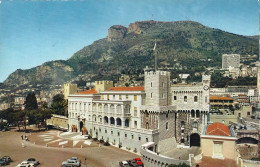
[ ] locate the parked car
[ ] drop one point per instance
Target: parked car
(74, 158)
(124, 164)
(7, 158)
(67, 165)
(71, 162)
(138, 161)
(3, 162)
(132, 163)
(33, 161)
(25, 164)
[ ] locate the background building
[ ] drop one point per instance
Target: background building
(230, 60)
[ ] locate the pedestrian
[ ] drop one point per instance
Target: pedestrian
(23, 144)
(25, 137)
(22, 137)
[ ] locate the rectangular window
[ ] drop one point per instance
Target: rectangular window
(114, 97)
(185, 98)
(206, 99)
(105, 131)
(139, 138)
(118, 133)
(102, 97)
(135, 111)
(135, 97)
(147, 140)
(151, 84)
(162, 84)
(132, 136)
(111, 132)
(151, 95)
(125, 135)
(175, 97)
(135, 124)
(120, 97)
(167, 126)
(107, 97)
(195, 98)
(126, 96)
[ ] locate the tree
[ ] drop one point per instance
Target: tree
(13, 116)
(59, 105)
(38, 117)
(31, 102)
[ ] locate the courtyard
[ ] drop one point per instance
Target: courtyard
(51, 149)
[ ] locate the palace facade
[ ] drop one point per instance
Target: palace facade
(160, 112)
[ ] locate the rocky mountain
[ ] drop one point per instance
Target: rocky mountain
(130, 49)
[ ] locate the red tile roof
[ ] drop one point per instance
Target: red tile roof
(136, 88)
(220, 98)
(218, 129)
(92, 91)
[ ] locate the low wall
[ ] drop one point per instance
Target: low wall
(58, 121)
(152, 159)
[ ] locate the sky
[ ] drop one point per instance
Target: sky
(36, 31)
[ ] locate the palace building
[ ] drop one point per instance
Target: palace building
(160, 112)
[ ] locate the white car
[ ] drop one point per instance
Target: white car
(25, 164)
(75, 159)
(71, 162)
(124, 164)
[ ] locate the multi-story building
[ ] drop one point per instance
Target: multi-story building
(131, 116)
(230, 60)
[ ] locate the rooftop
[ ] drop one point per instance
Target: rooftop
(92, 91)
(136, 88)
(218, 129)
(220, 98)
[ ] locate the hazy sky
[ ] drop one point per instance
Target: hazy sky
(35, 31)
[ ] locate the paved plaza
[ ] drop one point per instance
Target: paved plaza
(58, 149)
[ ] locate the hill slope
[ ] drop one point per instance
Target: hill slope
(130, 49)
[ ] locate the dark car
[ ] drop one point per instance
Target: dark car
(7, 158)
(132, 163)
(33, 161)
(3, 162)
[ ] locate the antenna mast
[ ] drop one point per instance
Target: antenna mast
(155, 57)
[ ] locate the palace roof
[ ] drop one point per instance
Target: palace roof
(136, 88)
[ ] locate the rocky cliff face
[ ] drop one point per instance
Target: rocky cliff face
(55, 72)
(140, 27)
(116, 32)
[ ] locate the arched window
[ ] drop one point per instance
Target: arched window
(182, 124)
(112, 121)
(147, 125)
(118, 122)
(185, 99)
(127, 123)
(105, 119)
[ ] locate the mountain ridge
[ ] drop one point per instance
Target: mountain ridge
(129, 49)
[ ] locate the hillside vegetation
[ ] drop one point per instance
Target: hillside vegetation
(129, 49)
